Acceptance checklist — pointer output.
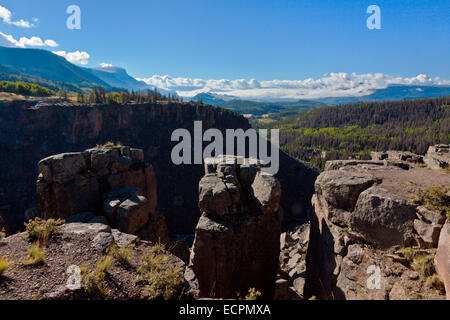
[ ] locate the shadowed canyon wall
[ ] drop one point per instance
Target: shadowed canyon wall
(31, 132)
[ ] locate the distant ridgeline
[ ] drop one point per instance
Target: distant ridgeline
(24, 88)
(353, 130)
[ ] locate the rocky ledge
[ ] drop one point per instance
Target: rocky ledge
(370, 239)
(112, 185)
(86, 244)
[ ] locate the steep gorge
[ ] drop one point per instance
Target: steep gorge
(30, 132)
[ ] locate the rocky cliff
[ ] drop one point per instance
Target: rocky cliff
(31, 132)
(373, 232)
(237, 239)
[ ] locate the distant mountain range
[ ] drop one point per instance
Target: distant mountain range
(55, 72)
(392, 93)
(256, 107)
(45, 68)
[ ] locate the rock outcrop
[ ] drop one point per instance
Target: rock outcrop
(31, 132)
(112, 185)
(361, 221)
(237, 239)
(442, 258)
(438, 156)
(82, 244)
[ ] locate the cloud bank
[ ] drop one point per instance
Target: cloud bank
(77, 57)
(332, 85)
(6, 16)
(7, 40)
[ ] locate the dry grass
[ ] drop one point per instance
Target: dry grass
(252, 294)
(108, 144)
(5, 262)
(93, 282)
(36, 255)
(435, 198)
(434, 282)
(423, 264)
(42, 230)
(160, 277)
(124, 256)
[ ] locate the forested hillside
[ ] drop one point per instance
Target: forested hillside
(340, 132)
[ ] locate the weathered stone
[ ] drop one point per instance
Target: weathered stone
(337, 164)
(214, 197)
(102, 241)
(429, 233)
(441, 259)
(155, 229)
(267, 190)
(341, 189)
(299, 285)
(86, 228)
(237, 245)
(431, 216)
(62, 167)
(383, 218)
(123, 239)
(180, 249)
(133, 214)
(438, 156)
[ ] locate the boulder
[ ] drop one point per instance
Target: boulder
(429, 233)
(441, 259)
(133, 214)
(438, 156)
(384, 219)
(77, 182)
(63, 167)
(340, 189)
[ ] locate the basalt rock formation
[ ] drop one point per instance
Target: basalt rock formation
(31, 132)
(112, 185)
(367, 240)
(237, 239)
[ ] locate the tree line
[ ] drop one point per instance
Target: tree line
(98, 95)
(25, 88)
(354, 130)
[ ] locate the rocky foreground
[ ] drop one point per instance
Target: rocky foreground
(379, 229)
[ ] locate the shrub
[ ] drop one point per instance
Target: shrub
(36, 255)
(93, 282)
(161, 278)
(423, 264)
(408, 253)
(42, 230)
(122, 255)
(252, 294)
(108, 144)
(434, 198)
(4, 264)
(434, 282)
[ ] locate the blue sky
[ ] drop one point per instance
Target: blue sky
(264, 40)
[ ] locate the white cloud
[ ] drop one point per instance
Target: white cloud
(332, 85)
(77, 57)
(105, 65)
(51, 43)
(6, 15)
(7, 40)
